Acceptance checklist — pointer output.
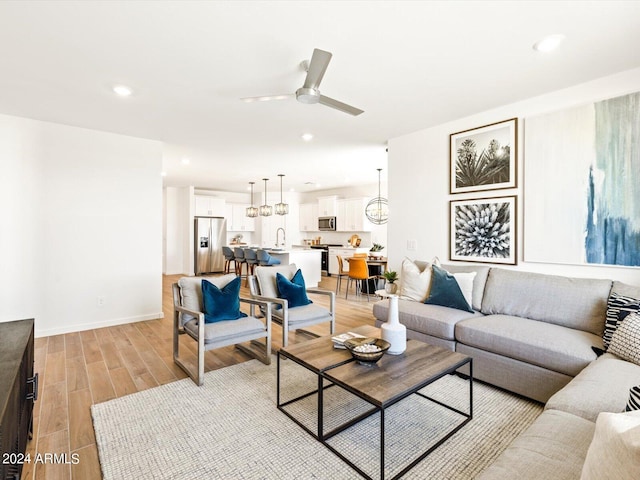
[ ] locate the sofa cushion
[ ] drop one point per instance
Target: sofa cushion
(479, 281)
(634, 399)
(191, 292)
(625, 342)
(615, 448)
(578, 303)
(446, 291)
(603, 386)
(415, 281)
(431, 320)
(618, 307)
(294, 290)
(546, 345)
(221, 303)
(553, 447)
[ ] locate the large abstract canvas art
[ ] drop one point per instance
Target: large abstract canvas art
(582, 192)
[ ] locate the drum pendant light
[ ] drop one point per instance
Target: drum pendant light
(377, 210)
(281, 208)
(252, 211)
(265, 210)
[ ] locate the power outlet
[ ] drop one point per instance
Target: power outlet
(100, 301)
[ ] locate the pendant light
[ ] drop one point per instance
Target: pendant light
(252, 211)
(265, 210)
(377, 209)
(281, 208)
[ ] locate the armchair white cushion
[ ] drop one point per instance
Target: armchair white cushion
(263, 287)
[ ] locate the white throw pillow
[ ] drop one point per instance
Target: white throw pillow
(625, 341)
(414, 284)
(465, 282)
(615, 449)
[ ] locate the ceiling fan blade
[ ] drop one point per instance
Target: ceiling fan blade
(317, 66)
(267, 98)
(343, 107)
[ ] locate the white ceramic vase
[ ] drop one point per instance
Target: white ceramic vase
(393, 331)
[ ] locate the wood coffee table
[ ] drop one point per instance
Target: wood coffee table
(392, 379)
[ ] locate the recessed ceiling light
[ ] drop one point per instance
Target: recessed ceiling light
(122, 90)
(548, 43)
(163, 174)
(185, 161)
(307, 137)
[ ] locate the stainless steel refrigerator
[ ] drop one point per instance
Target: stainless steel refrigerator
(210, 234)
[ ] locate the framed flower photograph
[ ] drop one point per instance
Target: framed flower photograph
(484, 158)
(483, 230)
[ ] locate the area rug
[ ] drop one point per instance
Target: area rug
(230, 428)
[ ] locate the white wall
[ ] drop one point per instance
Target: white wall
(419, 179)
(81, 219)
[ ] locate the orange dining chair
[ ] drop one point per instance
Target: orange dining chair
(359, 271)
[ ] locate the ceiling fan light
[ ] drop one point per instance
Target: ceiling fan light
(308, 95)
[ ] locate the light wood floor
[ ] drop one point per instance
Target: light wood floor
(80, 369)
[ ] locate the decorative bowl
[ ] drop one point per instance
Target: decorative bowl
(367, 351)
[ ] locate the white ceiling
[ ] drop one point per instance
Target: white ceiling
(408, 65)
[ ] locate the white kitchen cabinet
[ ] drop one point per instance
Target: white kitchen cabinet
(351, 215)
(309, 217)
(327, 206)
(207, 206)
(237, 220)
(344, 253)
(269, 230)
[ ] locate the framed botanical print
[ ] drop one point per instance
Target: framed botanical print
(484, 158)
(483, 230)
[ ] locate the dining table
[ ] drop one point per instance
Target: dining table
(377, 266)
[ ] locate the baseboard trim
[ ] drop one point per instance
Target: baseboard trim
(91, 326)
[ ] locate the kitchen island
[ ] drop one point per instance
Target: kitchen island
(307, 260)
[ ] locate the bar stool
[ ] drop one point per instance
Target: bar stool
(251, 259)
(266, 260)
(228, 258)
(238, 256)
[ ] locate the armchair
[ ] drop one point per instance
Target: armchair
(189, 319)
(263, 287)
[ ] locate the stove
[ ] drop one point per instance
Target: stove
(325, 254)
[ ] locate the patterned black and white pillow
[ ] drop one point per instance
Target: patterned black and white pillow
(618, 307)
(634, 399)
(625, 342)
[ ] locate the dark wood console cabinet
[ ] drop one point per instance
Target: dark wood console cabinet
(18, 391)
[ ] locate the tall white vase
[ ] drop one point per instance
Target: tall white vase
(393, 331)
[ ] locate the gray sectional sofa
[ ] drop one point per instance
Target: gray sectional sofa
(533, 334)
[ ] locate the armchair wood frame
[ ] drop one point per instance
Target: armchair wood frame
(258, 350)
(284, 322)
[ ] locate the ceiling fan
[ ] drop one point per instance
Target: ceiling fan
(309, 92)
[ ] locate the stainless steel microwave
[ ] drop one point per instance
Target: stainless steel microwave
(326, 224)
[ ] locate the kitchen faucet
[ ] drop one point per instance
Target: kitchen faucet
(284, 237)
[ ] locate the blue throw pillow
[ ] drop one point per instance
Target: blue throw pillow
(294, 290)
(445, 291)
(221, 304)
